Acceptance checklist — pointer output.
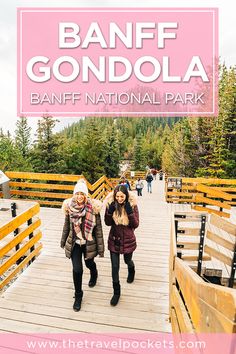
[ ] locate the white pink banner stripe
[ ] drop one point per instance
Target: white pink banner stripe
(103, 343)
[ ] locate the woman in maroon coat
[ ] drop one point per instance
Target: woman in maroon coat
(123, 217)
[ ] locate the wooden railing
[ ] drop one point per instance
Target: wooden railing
(19, 242)
(52, 189)
(137, 174)
(132, 179)
(197, 306)
(203, 192)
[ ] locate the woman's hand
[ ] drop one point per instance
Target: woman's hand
(128, 208)
(111, 208)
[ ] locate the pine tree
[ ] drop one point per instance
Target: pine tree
(221, 160)
(138, 154)
(179, 156)
(11, 157)
(201, 134)
(45, 155)
(92, 152)
(206, 146)
(22, 136)
(112, 153)
(230, 123)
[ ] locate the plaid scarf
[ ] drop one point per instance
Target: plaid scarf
(77, 212)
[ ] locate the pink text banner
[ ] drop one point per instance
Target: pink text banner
(117, 61)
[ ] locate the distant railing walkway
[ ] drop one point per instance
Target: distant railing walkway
(211, 195)
(41, 298)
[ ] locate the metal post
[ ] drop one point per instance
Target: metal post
(13, 214)
(201, 244)
(221, 209)
(204, 204)
(233, 268)
(29, 222)
(16, 231)
(19, 188)
(177, 231)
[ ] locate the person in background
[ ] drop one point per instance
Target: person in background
(123, 217)
(154, 173)
(125, 182)
(139, 187)
(149, 180)
(82, 236)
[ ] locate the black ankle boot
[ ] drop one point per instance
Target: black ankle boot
(116, 295)
(131, 273)
(78, 300)
(93, 278)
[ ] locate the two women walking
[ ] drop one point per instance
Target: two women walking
(82, 235)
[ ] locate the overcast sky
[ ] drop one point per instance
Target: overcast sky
(8, 65)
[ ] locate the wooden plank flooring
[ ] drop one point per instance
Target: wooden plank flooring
(41, 298)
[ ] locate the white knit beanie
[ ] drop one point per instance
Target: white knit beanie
(81, 187)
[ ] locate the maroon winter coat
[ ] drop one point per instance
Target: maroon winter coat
(121, 237)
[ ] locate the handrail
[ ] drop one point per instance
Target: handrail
(206, 303)
(43, 176)
(55, 187)
(21, 248)
(195, 305)
(213, 192)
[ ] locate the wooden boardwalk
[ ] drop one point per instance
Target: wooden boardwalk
(41, 299)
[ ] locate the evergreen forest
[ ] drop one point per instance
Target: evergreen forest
(94, 147)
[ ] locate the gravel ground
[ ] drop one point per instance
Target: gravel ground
(3, 276)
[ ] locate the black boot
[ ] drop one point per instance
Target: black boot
(78, 300)
(116, 295)
(131, 273)
(93, 278)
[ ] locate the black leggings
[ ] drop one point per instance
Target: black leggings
(76, 258)
(139, 191)
(115, 264)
